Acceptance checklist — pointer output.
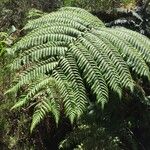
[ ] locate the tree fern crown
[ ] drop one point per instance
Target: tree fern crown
(65, 52)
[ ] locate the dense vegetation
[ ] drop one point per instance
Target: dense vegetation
(71, 81)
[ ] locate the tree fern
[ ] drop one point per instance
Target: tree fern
(67, 51)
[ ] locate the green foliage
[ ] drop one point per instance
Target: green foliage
(14, 12)
(10, 127)
(69, 51)
(68, 2)
(90, 136)
(3, 1)
(3, 37)
(35, 13)
(98, 5)
(121, 125)
(128, 2)
(5, 41)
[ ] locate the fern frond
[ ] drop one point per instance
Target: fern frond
(129, 53)
(137, 41)
(37, 52)
(32, 73)
(55, 17)
(75, 49)
(68, 65)
(91, 73)
(68, 94)
(54, 30)
(42, 39)
(104, 64)
(33, 89)
(44, 52)
(78, 15)
(106, 47)
(59, 22)
(44, 107)
(93, 20)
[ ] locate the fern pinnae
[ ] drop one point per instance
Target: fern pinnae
(55, 30)
(140, 42)
(32, 73)
(44, 52)
(143, 46)
(103, 63)
(34, 53)
(19, 104)
(56, 21)
(45, 106)
(91, 73)
(53, 102)
(39, 114)
(32, 91)
(68, 95)
(63, 23)
(55, 17)
(71, 71)
(134, 59)
(75, 49)
(83, 14)
(42, 39)
(116, 59)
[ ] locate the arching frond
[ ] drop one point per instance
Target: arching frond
(136, 40)
(73, 109)
(75, 49)
(131, 55)
(91, 73)
(69, 67)
(78, 15)
(93, 20)
(33, 72)
(42, 39)
(35, 87)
